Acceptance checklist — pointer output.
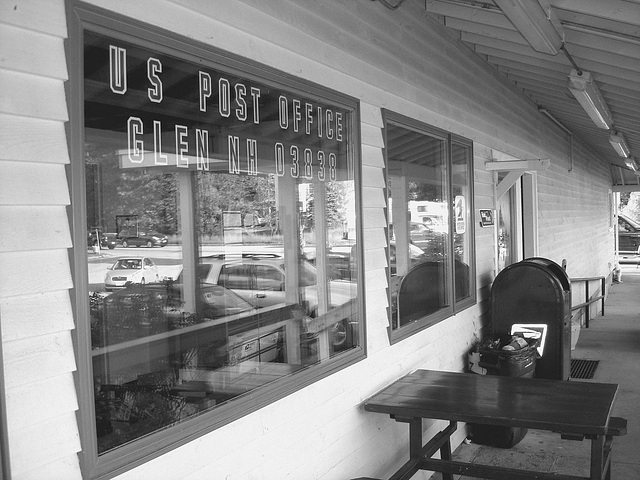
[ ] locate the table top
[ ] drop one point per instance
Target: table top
(555, 405)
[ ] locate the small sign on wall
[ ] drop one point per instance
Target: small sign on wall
(486, 217)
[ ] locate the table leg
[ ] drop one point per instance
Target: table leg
(445, 454)
(597, 457)
(416, 447)
(410, 468)
(415, 437)
(419, 454)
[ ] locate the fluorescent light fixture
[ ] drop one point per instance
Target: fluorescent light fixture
(584, 88)
(534, 24)
(631, 163)
(619, 144)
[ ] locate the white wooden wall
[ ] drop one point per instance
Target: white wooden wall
(35, 277)
(400, 60)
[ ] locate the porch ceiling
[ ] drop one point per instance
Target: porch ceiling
(600, 37)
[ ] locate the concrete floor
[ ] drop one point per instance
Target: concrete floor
(614, 340)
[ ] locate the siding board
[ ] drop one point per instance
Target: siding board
(372, 156)
(32, 52)
(373, 217)
(34, 447)
(375, 258)
(63, 468)
(33, 96)
(38, 358)
(45, 16)
(45, 142)
(22, 315)
(24, 273)
(371, 114)
(35, 274)
(18, 178)
(372, 177)
(374, 238)
(375, 197)
(371, 135)
(30, 225)
(24, 401)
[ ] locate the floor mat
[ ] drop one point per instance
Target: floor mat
(583, 368)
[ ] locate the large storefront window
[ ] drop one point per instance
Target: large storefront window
(430, 229)
(221, 231)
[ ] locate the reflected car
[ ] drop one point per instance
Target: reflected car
(142, 238)
(107, 240)
(259, 278)
(628, 239)
(421, 235)
(215, 301)
(131, 270)
(435, 223)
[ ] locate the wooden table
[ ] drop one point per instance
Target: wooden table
(574, 409)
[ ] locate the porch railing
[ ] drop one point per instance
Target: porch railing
(598, 295)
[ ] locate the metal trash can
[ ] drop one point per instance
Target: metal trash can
(535, 295)
(515, 362)
(508, 363)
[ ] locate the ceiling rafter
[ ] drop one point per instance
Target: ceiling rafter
(602, 38)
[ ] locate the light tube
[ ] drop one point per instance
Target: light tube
(533, 23)
(631, 163)
(619, 144)
(586, 91)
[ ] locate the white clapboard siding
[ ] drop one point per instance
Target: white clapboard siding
(484, 196)
(401, 61)
(32, 52)
(22, 315)
(33, 140)
(372, 177)
(24, 273)
(375, 197)
(33, 446)
(35, 277)
(578, 217)
(45, 16)
(376, 280)
(34, 228)
(375, 237)
(38, 358)
(24, 401)
(33, 96)
(371, 115)
(372, 135)
(374, 218)
(64, 468)
(17, 180)
(372, 156)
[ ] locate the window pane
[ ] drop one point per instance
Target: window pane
(463, 227)
(419, 224)
(221, 217)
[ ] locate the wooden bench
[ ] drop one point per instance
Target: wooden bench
(617, 427)
(542, 404)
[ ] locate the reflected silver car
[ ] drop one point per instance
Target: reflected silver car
(259, 278)
(131, 270)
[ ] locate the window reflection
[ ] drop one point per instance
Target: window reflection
(463, 230)
(430, 204)
(221, 220)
